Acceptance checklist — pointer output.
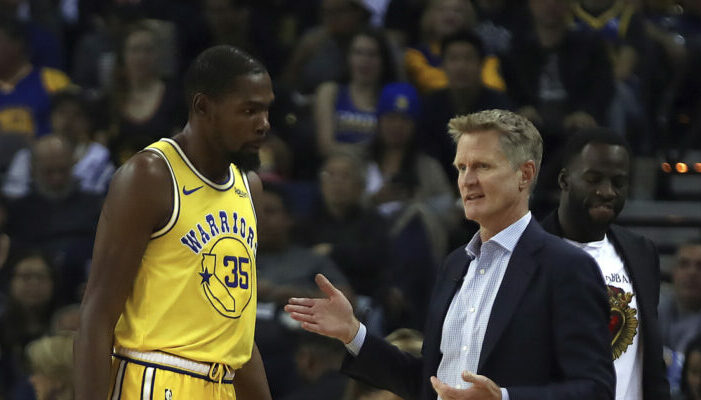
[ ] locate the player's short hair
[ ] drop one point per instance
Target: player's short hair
(215, 70)
(576, 143)
(520, 140)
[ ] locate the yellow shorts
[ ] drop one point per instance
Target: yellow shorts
(138, 379)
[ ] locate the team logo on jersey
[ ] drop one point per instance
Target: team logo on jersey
(227, 276)
(169, 394)
(623, 322)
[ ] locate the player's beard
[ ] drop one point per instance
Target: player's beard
(245, 160)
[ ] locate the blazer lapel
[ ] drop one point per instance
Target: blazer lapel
(630, 255)
(516, 279)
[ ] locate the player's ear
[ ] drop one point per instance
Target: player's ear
(563, 179)
(200, 104)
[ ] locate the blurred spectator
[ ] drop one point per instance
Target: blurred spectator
(67, 216)
(403, 182)
(355, 238)
(621, 27)
(345, 113)
(691, 372)
(145, 107)
(320, 55)
(399, 171)
(276, 160)
(684, 114)
(43, 46)
(66, 319)
(27, 314)
(408, 340)
(463, 61)
(4, 240)
(680, 310)
(284, 270)
(95, 54)
(440, 19)
(499, 22)
(560, 79)
(24, 87)
(71, 118)
(51, 364)
(232, 22)
(318, 361)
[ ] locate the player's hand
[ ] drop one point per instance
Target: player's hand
(482, 388)
(331, 316)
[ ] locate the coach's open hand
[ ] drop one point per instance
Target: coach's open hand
(482, 388)
(331, 316)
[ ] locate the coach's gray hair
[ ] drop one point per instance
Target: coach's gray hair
(519, 139)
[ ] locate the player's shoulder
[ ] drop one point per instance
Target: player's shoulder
(144, 170)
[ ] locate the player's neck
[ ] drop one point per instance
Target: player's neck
(579, 231)
(207, 160)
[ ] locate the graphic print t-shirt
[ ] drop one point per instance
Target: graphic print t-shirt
(624, 321)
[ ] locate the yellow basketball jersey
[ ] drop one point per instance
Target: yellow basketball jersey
(195, 292)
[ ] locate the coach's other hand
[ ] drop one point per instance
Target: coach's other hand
(481, 388)
(331, 316)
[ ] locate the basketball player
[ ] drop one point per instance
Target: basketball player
(169, 309)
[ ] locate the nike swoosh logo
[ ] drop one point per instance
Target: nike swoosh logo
(189, 192)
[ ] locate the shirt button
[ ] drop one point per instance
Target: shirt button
(482, 271)
(458, 386)
(472, 309)
(464, 348)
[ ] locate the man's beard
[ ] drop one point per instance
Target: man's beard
(245, 160)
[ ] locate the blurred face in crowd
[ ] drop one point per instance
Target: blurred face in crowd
(686, 276)
(550, 13)
(449, 16)
(365, 60)
(274, 223)
(340, 17)
(341, 183)
(141, 54)
(224, 16)
(595, 184)
(69, 120)
(492, 190)
(52, 167)
(396, 129)
(11, 54)
(463, 65)
(31, 284)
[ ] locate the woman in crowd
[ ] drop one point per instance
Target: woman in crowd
(345, 113)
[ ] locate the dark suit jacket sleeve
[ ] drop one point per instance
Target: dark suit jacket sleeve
(581, 339)
(384, 365)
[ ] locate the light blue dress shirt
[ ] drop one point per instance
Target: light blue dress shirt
(466, 321)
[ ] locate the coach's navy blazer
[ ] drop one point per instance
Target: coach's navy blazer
(547, 336)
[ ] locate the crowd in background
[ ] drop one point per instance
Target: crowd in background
(357, 171)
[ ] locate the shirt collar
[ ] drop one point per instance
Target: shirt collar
(506, 238)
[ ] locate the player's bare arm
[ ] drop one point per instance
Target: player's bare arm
(250, 381)
(139, 201)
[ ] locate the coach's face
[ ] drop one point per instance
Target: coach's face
(493, 192)
(596, 183)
